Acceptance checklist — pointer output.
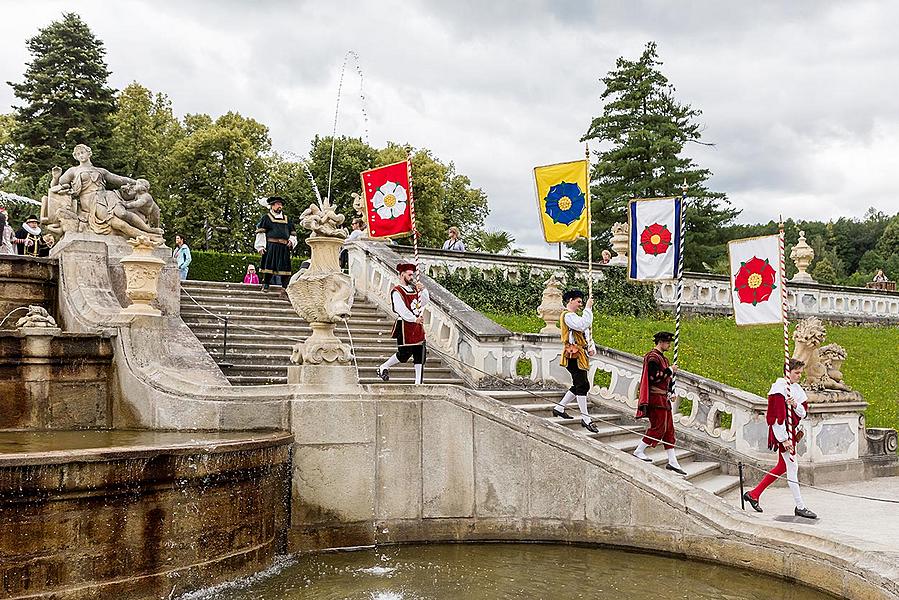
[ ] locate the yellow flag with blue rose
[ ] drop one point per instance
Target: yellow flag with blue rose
(562, 197)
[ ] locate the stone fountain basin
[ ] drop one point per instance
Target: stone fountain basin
(138, 514)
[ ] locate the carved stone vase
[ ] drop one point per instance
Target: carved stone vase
(620, 239)
(550, 309)
(802, 255)
(142, 271)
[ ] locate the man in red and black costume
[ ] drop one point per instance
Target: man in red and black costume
(408, 300)
(787, 406)
(655, 387)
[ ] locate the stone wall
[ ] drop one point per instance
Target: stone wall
(55, 382)
(141, 523)
(25, 281)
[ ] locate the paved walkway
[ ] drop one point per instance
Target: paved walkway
(865, 524)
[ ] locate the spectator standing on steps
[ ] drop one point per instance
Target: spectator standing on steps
(251, 277)
(182, 256)
(358, 231)
(577, 344)
(454, 242)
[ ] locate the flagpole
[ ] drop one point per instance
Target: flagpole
(412, 215)
(786, 331)
(589, 225)
(680, 282)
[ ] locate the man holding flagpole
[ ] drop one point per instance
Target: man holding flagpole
(408, 300)
(577, 345)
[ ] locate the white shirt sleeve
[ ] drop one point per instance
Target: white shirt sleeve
(780, 432)
(800, 411)
(400, 308)
(580, 323)
(293, 241)
(259, 242)
(446, 245)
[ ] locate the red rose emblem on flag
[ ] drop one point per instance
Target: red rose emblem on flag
(754, 281)
(655, 239)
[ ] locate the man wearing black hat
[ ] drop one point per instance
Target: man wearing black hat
(576, 346)
(409, 332)
(276, 236)
(29, 239)
(655, 386)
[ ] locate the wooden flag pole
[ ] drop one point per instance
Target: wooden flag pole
(589, 225)
(414, 227)
(680, 281)
(786, 331)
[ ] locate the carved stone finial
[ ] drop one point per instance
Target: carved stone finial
(620, 238)
(802, 255)
(37, 317)
(550, 309)
(323, 221)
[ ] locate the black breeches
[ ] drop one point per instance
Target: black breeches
(416, 353)
(267, 278)
(580, 386)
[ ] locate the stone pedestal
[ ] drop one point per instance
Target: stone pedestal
(142, 278)
(334, 376)
(620, 238)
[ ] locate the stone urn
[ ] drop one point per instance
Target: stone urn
(620, 239)
(142, 271)
(802, 255)
(550, 309)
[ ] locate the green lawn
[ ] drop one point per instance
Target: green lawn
(750, 358)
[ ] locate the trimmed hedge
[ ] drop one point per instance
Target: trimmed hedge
(220, 266)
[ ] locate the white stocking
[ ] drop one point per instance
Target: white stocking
(393, 360)
(672, 458)
(568, 397)
(418, 372)
(582, 404)
(793, 478)
(640, 452)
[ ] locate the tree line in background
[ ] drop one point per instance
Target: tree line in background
(206, 173)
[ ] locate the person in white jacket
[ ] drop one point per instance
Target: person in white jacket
(787, 406)
(577, 346)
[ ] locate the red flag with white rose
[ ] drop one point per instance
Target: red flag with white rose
(755, 278)
(388, 200)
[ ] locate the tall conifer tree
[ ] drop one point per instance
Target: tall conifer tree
(642, 133)
(66, 99)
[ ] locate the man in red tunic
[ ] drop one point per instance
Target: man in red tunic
(655, 386)
(408, 301)
(787, 406)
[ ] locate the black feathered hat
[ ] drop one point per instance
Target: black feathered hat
(571, 294)
(32, 218)
(663, 336)
(272, 199)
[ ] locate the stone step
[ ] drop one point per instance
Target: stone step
(213, 344)
(229, 309)
(265, 319)
(546, 411)
(267, 370)
(263, 380)
(296, 329)
(718, 484)
(283, 359)
(253, 300)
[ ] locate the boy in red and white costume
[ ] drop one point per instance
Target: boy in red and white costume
(787, 406)
(408, 301)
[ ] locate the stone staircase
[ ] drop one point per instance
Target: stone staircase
(260, 356)
(701, 472)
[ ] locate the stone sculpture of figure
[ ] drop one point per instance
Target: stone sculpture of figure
(809, 335)
(832, 357)
(139, 201)
(323, 220)
(37, 317)
(104, 208)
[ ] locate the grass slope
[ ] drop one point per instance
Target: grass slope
(749, 358)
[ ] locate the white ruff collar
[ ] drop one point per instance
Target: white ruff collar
(30, 229)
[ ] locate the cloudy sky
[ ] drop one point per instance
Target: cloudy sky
(798, 97)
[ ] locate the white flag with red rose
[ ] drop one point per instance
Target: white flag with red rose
(654, 238)
(755, 279)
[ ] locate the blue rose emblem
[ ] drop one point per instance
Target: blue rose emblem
(565, 203)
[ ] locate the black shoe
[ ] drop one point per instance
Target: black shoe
(677, 470)
(383, 374)
(589, 427)
(804, 512)
(752, 502)
(265, 288)
(561, 414)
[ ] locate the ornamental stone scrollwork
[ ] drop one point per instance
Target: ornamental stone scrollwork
(142, 271)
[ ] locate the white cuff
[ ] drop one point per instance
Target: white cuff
(293, 241)
(780, 432)
(259, 242)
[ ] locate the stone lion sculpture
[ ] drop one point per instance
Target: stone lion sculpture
(822, 363)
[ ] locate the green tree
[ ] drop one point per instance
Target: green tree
(7, 148)
(824, 272)
(144, 134)
(351, 157)
(495, 242)
(642, 133)
(216, 174)
(66, 99)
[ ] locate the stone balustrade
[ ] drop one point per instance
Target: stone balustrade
(483, 351)
(704, 293)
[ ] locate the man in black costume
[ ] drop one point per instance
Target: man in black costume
(30, 238)
(276, 237)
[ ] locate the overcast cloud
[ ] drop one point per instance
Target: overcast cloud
(799, 97)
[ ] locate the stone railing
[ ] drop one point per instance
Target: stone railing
(704, 293)
(483, 350)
